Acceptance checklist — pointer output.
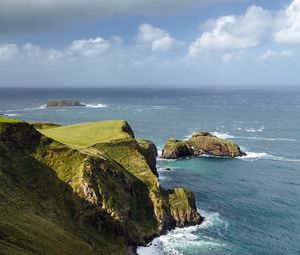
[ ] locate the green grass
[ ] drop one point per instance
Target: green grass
(44, 125)
(8, 120)
(88, 134)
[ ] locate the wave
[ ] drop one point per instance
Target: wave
(266, 139)
(11, 114)
(180, 240)
(253, 130)
(27, 109)
(227, 136)
(96, 105)
(262, 155)
(223, 135)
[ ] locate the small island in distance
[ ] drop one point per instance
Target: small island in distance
(64, 103)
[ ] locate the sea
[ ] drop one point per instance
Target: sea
(251, 204)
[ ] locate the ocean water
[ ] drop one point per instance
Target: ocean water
(251, 204)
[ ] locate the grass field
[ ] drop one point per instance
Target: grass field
(88, 134)
(4, 119)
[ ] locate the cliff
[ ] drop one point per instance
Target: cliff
(199, 144)
(83, 189)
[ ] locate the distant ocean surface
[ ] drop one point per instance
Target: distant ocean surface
(251, 204)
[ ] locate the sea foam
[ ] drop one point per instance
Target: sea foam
(193, 238)
(96, 105)
(262, 155)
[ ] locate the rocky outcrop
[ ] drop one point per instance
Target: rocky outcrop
(201, 143)
(64, 103)
(93, 200)
(174, 149)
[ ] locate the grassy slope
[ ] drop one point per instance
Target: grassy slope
(8, 120)
(45, 185)
(88, 134)
(40, 213)
(109, 164)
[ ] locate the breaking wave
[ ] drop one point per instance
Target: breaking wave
(227, 136)
(262, 155)
(190, 240)
(96, 105)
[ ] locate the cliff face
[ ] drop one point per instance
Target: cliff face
(61, 199)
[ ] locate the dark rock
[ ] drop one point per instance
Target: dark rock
(64, 103)
(175, 149)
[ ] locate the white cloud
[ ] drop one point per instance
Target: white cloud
(89, 48)
(233, 56)
(157, 38)
(78, 49)
(36, 53)
(8, 51)
(235, 32)
(289, 27)
(277, 54)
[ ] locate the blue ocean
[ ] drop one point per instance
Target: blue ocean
(251, 204)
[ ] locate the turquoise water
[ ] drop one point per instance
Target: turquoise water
(251, 204)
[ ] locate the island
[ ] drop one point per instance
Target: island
(201, 143)
(64, 103)
(84, 189)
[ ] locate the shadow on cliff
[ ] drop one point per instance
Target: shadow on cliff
(40, 213)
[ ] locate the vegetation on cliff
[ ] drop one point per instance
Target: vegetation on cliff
(83, 189)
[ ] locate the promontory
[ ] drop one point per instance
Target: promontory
(201, 143)
(83, 189)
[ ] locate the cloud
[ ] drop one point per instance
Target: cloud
(269, 54)
(85, 48)
(157, 38)
(234, 32)
(30, 14)
(233, 56)
(8, 51)
(289, 24)
(89, 48)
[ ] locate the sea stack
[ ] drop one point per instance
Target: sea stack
(201, 143)
(64, 103)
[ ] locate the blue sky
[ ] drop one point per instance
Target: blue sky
(175, 43)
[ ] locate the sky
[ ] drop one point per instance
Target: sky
(143, 43)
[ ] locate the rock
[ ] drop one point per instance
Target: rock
(168, 169)
(149, 151)
(206, 143)
(199, 144)
(64, 103)
(175, 149)
(183, 208)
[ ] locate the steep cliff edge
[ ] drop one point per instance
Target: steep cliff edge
(94, 193)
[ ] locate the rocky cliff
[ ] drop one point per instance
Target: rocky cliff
(63, 103)
(62, 198)
(199, 144)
